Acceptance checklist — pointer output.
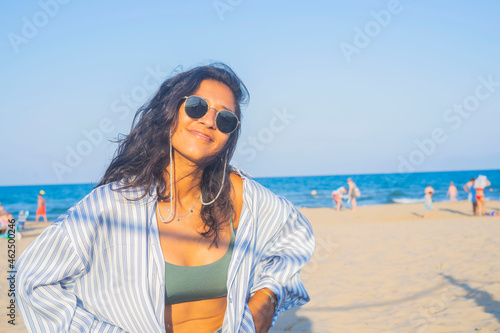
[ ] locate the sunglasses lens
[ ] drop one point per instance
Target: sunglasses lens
(195, 107)
(226, 121)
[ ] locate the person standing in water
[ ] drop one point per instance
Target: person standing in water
(41, 210)
(452, 192)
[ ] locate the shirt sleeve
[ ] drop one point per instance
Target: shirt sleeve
(286, 253)
(46, 271)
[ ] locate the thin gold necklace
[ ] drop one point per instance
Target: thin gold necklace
(181, 216)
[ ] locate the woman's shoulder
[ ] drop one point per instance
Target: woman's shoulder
(118, 190)
(257, 195)
(244, 182)
(114, 193)
(237, 182)
(103, 203)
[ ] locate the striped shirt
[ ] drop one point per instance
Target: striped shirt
(100, 266)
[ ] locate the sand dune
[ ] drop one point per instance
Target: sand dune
(385, 269)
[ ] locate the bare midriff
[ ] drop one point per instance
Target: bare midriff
(199, 316)
(195, 316)
(183, 245)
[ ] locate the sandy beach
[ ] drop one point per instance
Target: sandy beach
(383, 269)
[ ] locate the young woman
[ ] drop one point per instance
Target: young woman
(42, 207)
(173, 239)
(480, 184)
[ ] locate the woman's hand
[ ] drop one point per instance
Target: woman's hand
(262, 309)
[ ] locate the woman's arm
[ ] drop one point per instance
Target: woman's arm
(263, 306)
(46, 273)
(278, 271)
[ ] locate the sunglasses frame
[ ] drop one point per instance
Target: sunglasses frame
(217, 110)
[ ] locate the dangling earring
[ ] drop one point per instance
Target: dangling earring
(171, 186)
(220, 190)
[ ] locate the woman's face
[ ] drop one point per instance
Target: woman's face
(199, 140)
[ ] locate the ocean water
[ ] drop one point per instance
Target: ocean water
(375, 189)
(379, 189)
(59, 198)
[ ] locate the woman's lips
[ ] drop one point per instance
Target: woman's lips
(201, 136)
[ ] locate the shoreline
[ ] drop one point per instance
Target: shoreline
(491, 205)
(400, 212)
(417, 202)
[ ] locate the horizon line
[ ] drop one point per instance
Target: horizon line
(295, 176)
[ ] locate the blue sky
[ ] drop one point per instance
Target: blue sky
(336, 87)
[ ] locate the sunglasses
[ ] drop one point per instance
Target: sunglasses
(197, 107)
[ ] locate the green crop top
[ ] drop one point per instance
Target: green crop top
(195, 283)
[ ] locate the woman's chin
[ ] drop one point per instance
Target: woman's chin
(197, 157)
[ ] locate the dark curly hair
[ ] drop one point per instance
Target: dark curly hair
(142, 156)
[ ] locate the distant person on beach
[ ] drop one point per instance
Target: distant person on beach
(429, 191)
(480, 184)
(469, 188)
(337, 197)
(173, 238)
(42, 209)
(4, 217)
(353, 193)
(452, 192)
(314, 193)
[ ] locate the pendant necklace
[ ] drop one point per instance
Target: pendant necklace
(180, 216)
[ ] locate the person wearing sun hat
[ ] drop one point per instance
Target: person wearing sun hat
(41, 210)
(337, 197)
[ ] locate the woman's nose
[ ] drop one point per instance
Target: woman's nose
(209, 118)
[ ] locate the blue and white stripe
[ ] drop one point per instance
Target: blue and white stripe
(100, 266)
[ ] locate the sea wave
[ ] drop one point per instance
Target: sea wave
(397, 193)
(407, 200)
